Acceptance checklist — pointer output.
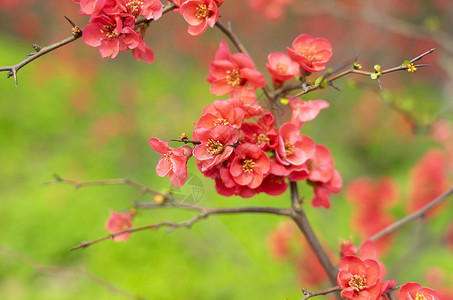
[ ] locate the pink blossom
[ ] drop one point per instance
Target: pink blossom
(118, 222)
(173, 162)
(90, 7)
(111, 34)
(222, 112)
(281, 68)
(249, 166)
(150, 9)
(310, 53)
(248, 97)
(322, 190)
(293, 148)
(231, 71)
(143, 51)
(304, 111)
(263, 133)
(199, 14)
(271, 9)
(216, 145)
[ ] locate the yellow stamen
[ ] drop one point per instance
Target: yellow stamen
(358, 282)
(247, 165)
(214, 147)
(289, 148)
(233, 78)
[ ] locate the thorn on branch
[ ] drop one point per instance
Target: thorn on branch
(75, 29)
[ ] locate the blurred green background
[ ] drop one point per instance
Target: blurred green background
(85, 118)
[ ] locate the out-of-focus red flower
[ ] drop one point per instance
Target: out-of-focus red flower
(358, 279)
(279, 240)
(271, 9)
(118, 222)
(414, 291)
(281, 68)
(230, 71)
(427, 181)
(199, 14)
(310, 53)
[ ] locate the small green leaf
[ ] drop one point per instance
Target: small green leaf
(374, 76)
(284, 101)
(406, 62)
(377, 67)
(318, 81)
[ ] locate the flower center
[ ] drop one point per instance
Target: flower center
(109, 31)
(221, 121)
(134, 6)
(202, 11)
(282, 68)
(247, 167)
(358, 282)
(289, 148)
(420, 297)
(214, 147)
(262, 139)
(233, 77)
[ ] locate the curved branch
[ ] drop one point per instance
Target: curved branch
(205, 212)
(78, 184)
(308, 294)
(415, 215)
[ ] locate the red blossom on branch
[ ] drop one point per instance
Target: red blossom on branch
(199, 14)
(118, 222)
(414, 291)
(310, 53)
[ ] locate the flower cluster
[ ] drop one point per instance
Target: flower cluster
(113, 27)
(246, 158)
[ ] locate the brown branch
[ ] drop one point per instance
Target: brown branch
(415, 215)
(59, 271)
(205, 212)
(78, 184)
(301, 220)
(308, 294)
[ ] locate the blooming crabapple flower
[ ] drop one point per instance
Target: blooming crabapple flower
(273, 185)
(199, 14)
(118, 222)
(263, 133)
(143, 51)
(249, 165)
(222, 112)
(293, 148)
(310, 53)
(304, 111)
(173, 162)
(230, 71)
(281, 68)
(111, 34)
(216, 145)
(414, 291)
(346, 247)
(358, 279)
(150, 9)
(90, 7)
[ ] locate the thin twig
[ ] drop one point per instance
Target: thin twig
(205, 212)
(78, 184)
(59, 271)
(415, 215)
(301, 220)
(308, 294)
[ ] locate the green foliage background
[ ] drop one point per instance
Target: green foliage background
(85, 118)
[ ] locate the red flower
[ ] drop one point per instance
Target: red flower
(249, 165)
(90, 7)
(414, 291)
(359, 279)
(304, 111)
(251, 106)
(216, 145)
(271, 9)
(222, 112)
(173, 162)
(310, 53)
(282, 68)
(118, 222)
(111, 34)
(263, 133)
(293, 148)
(199, 14)
(150, 9)
(322, 190)
(427, 180)
(230, 71)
